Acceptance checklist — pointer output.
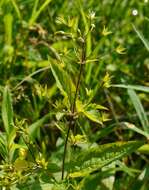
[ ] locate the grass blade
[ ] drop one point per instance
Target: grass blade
(134, 87)
(7, 110)
(63, 81)
(16, 7)
(34, 128)
(136, 129)
(139, 109)
(8, 22)
(142, 38)
(38, 12)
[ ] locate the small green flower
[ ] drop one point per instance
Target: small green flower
(92, 15)
(105, 31)
(121, 50)
(107, 81)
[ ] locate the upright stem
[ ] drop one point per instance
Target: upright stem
(65, 149)
(77, 88)
(71, 121)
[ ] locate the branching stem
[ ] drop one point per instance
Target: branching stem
(72, 121)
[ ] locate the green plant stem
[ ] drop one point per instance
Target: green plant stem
(65, 150)
(77, 89)
(72, 122)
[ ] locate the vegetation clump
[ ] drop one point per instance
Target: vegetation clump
(74, 95)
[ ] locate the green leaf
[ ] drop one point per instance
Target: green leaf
(3, 151)
(142, 180)
(136, 129)
(139, 109)
(11, 143)
(93, 181)
(11, 137)
(79, 106)
(8, 21)
(38, 12)
(20, 165)
(53, 168)
(96, 106)
(61, 186)
(109, 181)
(34, 128)
(97, 157)
(144, 149)
(63, 80)
(142, 38)
(46, 186)
(93, 115)
(126, 169)
(104, 132)
(7, 110)
(90, 111)
(16, 7)
(134, 87)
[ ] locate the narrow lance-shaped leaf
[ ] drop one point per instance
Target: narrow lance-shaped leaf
(136, 129)
(142, 179)
(93, 115)
(8, 21)
(139, 109)
(134, 87)
(16, 7)
(90, 111)
(34, 128)
(104, 132)
(3, 151)
(144, 149)
(38, 12)
(95, 158)
(7, 110)
(63, 80)
(142, 38)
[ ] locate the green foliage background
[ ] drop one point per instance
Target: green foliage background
(76, 69)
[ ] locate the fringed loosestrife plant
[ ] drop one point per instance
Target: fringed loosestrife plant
(58, 75)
